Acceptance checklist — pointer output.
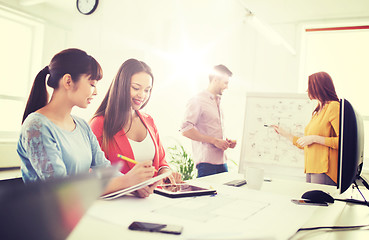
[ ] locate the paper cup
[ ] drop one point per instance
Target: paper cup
(254, 177)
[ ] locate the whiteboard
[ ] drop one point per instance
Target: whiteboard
(261, 145)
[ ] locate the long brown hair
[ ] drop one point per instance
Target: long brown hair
(116, 105)
(321, 88)
(70, 61)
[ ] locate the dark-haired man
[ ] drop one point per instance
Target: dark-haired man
(204, 126)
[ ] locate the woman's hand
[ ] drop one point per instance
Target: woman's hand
(173, 178)
(146, 191)
(143, 192)
(141, 172)
(305, 141)
(308, 140)
(283, 132)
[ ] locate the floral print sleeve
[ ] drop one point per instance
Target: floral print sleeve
(41, 156)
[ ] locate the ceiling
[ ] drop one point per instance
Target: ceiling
(284, 11)
(272, 11)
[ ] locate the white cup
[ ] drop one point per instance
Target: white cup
(254, 177)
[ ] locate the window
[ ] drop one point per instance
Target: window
(342, 52)
(21, 46)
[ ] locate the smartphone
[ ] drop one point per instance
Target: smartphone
(156, 227)
(307, 202)
(236, 183)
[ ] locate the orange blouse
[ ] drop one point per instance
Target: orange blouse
(323, 158)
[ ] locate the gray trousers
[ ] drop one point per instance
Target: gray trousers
(320, 178)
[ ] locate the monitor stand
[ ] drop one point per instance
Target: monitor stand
(355, 201)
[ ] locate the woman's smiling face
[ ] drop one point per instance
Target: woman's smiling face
(141, 85)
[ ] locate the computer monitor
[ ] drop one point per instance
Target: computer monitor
(351, 146)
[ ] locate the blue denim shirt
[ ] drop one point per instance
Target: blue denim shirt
(47, 151)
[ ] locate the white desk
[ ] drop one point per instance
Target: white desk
(110, 219)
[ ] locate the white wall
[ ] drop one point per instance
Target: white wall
(179, 40)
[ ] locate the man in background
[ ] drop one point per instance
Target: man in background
(203, 124)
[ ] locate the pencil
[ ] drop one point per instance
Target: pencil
(128, 159)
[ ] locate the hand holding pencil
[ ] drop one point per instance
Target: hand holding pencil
(173, 178)
(129, 160)
(142, 171)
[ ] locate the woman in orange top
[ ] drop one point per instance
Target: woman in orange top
(320, 140)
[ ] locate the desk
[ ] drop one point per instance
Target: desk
(110, 219)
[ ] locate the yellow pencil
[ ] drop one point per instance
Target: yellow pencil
(128, 159)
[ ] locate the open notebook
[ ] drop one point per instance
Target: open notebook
(125, 191)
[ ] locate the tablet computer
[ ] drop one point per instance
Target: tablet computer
(183, 190)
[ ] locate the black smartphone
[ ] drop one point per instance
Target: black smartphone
(236, 183)
(156, 227)
(307, 202)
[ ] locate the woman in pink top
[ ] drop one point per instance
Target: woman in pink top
(122, 129)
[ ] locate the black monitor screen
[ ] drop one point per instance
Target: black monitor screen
(351, 146)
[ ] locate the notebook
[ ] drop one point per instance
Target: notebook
(125, 191)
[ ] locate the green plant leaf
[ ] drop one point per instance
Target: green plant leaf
(182, 161)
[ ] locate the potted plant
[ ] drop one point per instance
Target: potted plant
(181, 161)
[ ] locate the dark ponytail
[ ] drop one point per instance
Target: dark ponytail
(38, 97)
(70, 61)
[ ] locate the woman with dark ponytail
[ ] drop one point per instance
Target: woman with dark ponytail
(53, 143)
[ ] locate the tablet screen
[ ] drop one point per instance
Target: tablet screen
(180, 188)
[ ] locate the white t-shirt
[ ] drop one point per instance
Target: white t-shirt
(144, 150)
